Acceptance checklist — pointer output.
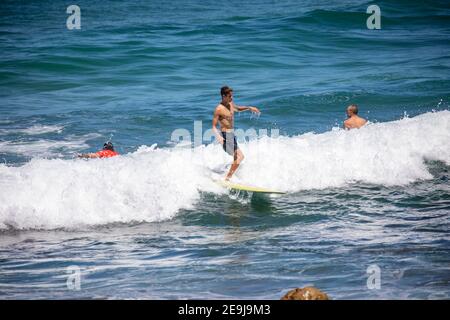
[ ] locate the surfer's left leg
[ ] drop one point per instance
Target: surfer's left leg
(238, 157)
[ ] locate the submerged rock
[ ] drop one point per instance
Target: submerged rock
(306, 293)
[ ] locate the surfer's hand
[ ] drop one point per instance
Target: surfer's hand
(220, 140)
(255, 110)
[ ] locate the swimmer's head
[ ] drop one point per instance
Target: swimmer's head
(108, 146)
(352, 110)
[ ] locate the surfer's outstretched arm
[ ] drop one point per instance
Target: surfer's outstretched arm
(244, 108)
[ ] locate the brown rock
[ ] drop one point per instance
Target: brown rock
(307, 293)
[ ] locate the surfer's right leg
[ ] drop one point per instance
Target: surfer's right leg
(238, 157)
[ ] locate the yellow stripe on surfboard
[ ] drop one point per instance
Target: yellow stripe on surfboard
(237, 186)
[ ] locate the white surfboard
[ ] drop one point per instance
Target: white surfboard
(237, 186)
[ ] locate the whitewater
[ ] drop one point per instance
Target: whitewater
(154, 184)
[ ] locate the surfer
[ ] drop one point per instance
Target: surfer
(107, 152)
(353, 121)
(224, 114)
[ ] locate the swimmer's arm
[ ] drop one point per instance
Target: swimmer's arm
(346, 125)
(89, 155)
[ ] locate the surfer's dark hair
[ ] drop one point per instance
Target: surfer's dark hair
(225, 90)
(108, 146)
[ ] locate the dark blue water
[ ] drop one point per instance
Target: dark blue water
(152, 223)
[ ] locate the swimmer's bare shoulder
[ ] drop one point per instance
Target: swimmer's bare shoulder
(354, 123)
(347, 124)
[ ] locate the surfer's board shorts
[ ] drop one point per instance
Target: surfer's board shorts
(229, 143)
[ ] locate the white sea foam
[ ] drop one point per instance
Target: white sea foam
(153, 184)
(41, 129)
(46, 148)
(390, 153)
(34, 130)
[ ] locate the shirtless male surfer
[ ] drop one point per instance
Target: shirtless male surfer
(353, 121)
(224, 113)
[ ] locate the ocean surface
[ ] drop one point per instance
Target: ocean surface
(151, 223)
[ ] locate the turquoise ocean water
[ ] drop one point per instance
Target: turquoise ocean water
(152, 223)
